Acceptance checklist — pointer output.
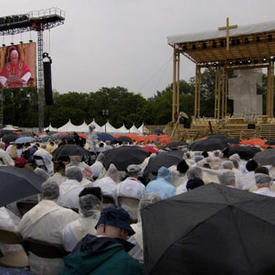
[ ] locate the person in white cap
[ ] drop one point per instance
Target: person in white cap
(131, 186)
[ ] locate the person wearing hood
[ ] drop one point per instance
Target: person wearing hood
(105, 253)
(90, 205)
(98, 170)
(162, 185)
(108, 184)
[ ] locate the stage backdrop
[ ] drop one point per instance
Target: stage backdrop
(18, 66)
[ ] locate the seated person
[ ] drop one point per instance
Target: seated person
(137, 239)
(105, 253)
(70, 189)
(162, 185)
(90, 205)
(45, 222)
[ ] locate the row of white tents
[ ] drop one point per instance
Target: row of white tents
(108, 128)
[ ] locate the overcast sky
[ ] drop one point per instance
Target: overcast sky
(124, 42)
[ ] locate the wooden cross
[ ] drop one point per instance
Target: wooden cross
(227, 28)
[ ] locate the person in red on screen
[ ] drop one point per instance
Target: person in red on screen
(16, 73)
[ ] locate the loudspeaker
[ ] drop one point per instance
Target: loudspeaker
(48, 82)
(251, 126)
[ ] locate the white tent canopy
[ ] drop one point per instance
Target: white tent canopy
(84, 128)
(135, 130)
(10, 128)
(50, 128)
(122, 130)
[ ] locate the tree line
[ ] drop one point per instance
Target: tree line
(20, 105)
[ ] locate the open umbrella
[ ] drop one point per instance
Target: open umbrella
(270, 142)
(165, 159)
(124, 139)
(158, 132)
(176, 144)
(266, 157)
(70, 150)
(7, 138)
(18, 183)
(23, 140)
(210, 230)
(105, 136)
(123, 156)
(245, 152)
(209, 144)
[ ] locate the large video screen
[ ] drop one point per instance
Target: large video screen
(18, 66)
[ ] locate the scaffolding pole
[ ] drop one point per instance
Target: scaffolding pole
(40, 80)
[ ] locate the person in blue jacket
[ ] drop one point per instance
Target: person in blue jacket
(162, 185)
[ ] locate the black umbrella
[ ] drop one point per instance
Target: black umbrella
(165, 159)
(124, 139)
(270, 142)
(123, 156)
(209, 144)
(245, 152)
(176, 144)
(266, 157)
(9, 138)
(18, 183)
(220, 137)
(67, 150)
(233, 141)
(210, 230)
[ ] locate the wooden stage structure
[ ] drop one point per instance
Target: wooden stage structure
(228, 48)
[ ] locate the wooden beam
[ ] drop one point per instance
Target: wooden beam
(178, 85)
(174, 85)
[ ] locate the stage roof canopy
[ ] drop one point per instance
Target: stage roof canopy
(249, 43)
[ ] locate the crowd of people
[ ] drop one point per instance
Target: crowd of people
(94, 211)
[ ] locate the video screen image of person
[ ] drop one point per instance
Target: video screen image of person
(15, 73)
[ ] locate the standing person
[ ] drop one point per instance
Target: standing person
(105, 253)
(45, 222)
(91, 138)
(59, 172)
(264, 183)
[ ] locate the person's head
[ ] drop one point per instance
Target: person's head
(206, 165)
(205, 154)
(49, 190)
(90, 201)
(2, 145)
(217, 153)
(228, 164)
(114, 223)
(74, 173)
(43, 146)
(227, 178)
(261, 170)
(113, 173)
(164, 173)
(75, 159)
(133, 170)
(146, 200)
(100, 157)
(14, 56)
(251, 165)
(59, 167)
(263, 180)
(182, 167)
(91, 127)
(194, 172)
(194, 183)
